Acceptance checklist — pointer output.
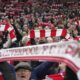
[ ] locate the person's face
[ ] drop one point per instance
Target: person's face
(23, 74)
(1, 41)
(25, 28)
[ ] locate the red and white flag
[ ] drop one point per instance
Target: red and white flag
(48, 33)
(77, 22)
(10, 29)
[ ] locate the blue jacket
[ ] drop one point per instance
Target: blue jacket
(40, 71)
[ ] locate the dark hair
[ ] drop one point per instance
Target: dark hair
(1, 43)
(70, 74)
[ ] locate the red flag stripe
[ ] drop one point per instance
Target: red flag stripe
(42, 33)
(53, 33)
(64, 32)
(12, 35)
(32, 34)
(6, 27)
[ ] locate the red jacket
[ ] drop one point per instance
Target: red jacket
(1, 76)
(59, 76)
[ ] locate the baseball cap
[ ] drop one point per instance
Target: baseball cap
(23, 65)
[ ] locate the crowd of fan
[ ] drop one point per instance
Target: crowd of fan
(32, 14)
(29, 15)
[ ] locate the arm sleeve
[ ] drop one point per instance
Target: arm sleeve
(41, 70)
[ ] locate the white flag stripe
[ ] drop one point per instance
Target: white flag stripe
(37, 33)
(79, 22)
(14, 39)
(2, 27)
(10, 29)
(67, 36)
(47, 33)
(59, 32)
(28, 36)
